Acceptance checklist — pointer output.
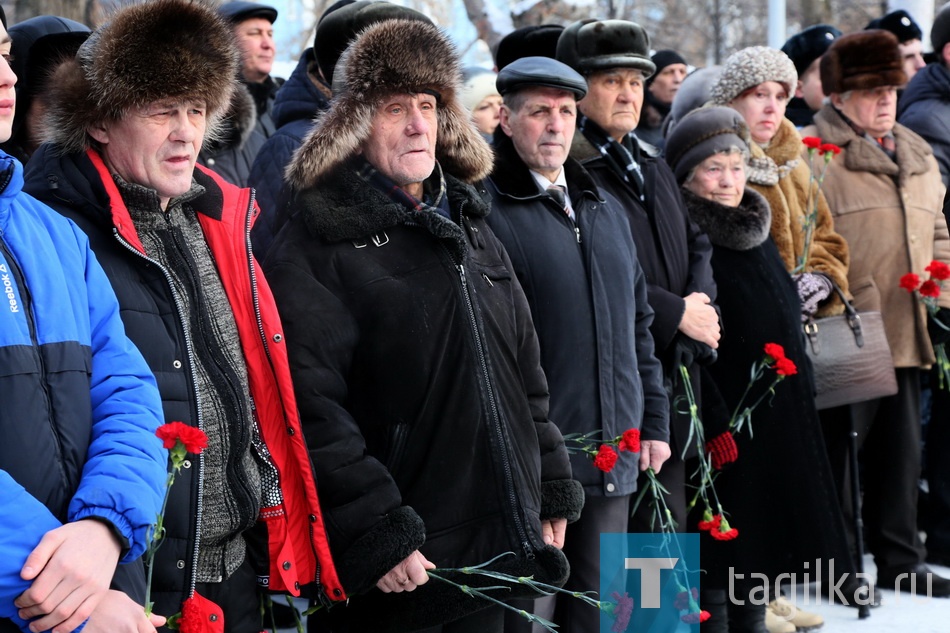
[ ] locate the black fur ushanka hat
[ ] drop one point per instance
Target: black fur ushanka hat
(149, 51)
(392, 57)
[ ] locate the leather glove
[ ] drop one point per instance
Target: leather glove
(687, 351)
(722, 449)
(938, 326)
(813, 288)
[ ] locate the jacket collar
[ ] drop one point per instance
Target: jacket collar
(861, 154)
(741, 228)
(513, 179)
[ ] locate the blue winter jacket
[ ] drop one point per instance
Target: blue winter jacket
(79, 404)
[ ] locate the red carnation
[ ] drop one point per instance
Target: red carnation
(930, 289)
(910, 282)
(785, 367)
(724, 531)
(812, 142)
(606, 458)
(710, 521)
(775, 351)
(829, 148)
(622, 612)
(630, 441)
(696, 617)
(938, 270)
(192, 438)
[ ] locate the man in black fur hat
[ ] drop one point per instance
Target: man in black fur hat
(415, 360)
(127, 117)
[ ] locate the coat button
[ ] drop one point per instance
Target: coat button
(286, 565)
(186, 463)
(176, 364)
(210, 162)
(610, 487)
(337, 592)
(213, 617)
(278, 338)
(180, 564)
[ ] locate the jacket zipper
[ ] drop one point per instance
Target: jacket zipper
(27, 298)
(189, 348)
(496, 419)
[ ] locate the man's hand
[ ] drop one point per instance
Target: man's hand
(653, 453)
(71, 569)
(407, 575)
(553, 530)
(118, 613)
(700, 321)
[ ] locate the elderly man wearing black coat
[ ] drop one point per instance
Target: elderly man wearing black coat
(674, 253)
(577, 263)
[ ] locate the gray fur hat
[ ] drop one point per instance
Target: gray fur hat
(165, 49)
(591, 45)
(750, 67)
(702, 133)
(392, 57)
(693, 93)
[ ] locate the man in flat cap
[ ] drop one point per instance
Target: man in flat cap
(885, 194)
(675, 255)
(571, 247)
(415, 360)
(805, 49)
(908, 35)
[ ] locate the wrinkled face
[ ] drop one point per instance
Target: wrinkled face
(485, 114)
(255, 36)
(613, 100)
(809, 86)
(874, 110)
(542, 128)
(667, 82)
(720, 178)
(155, 146)
(912, 57)
(401, 144)
(7, 94)
(763, 108)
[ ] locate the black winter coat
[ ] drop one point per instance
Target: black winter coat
(924, 107)
(672, 250)
(588, 300)
(780, 492)
(421, 394)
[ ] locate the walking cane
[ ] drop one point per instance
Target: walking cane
(864, 610)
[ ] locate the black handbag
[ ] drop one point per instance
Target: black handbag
(850, 357)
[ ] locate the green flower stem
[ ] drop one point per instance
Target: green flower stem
(154, 536)
(475, 593)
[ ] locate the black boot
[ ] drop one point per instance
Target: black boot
(747, 618)
(714, 601)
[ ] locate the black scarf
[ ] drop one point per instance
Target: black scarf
(622, 158)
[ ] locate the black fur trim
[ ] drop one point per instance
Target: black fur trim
(375, 553)
(739, 228)
(562, 499)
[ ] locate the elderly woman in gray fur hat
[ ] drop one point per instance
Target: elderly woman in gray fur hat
(757, 82)
(785, 466)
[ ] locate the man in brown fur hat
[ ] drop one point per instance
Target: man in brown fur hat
(886, 195)
(128, 116)
(414, 357)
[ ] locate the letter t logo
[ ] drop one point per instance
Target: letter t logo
(649, 578)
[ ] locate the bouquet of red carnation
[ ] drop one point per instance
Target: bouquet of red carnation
(928, 291)
(603, 454)
(816, 177)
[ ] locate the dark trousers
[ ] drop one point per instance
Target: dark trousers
(937, 471)
(490, 620)
(582, 548)
(889, 439)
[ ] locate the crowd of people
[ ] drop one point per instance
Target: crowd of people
(396, 294)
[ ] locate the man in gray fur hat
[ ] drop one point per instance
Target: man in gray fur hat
(415, 361)
(674, 253)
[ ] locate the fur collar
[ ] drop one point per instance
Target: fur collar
(741, 228)
(860, 154)
(512, 177)
(346, 208)
(767, 165)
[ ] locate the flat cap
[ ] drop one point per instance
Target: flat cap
(592, 45)
(529, 72)
(239, 10)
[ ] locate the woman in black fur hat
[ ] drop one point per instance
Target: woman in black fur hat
(778, 493)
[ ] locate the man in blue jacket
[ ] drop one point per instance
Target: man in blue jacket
(81, 471)
(574, 256)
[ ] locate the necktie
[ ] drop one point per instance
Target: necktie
(557, 193)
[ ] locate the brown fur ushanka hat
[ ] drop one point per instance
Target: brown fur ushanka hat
(392, 57)
(150, 51)
(861, 61)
